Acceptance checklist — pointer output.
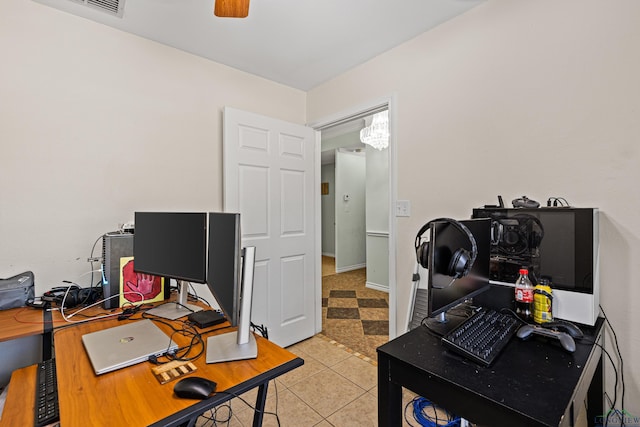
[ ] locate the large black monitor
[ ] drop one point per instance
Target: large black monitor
(224, 269)
(230, 280)
(173, 245)
(444, 291)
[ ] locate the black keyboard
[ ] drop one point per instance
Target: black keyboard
(46, 409)
(482, 336)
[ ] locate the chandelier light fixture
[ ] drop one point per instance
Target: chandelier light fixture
(377, 134)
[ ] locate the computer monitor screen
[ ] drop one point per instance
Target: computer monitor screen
(171, 244)
(224, 271)
(230, 279)
(445, 292)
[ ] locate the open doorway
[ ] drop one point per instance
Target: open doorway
(355, 183)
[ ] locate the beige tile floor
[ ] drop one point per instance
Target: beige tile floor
(334, 387)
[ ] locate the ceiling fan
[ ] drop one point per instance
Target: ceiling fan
(231, 8)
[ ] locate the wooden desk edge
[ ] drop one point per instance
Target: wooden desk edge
(18, 409)
(226, 395)
(31, 323)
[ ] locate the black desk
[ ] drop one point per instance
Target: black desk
(532, 383)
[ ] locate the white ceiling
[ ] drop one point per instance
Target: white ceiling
(299, 43)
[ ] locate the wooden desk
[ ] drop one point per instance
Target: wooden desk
(18, 410)
(24, 322)
(133, 396)
(532, 383)
(20, 322)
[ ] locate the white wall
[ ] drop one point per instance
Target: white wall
(377, 222)
(95, 124)
(377, 170)
(350, 214)
(327, 174)
(519, 98)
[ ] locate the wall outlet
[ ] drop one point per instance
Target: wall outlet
(403, 208)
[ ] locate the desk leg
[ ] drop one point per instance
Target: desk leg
(595, 401)
(389, 396)
(260, 403)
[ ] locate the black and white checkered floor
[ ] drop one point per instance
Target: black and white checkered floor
(354, 315)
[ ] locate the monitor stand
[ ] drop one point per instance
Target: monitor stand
(443, 324)
(225, 348)
(240, 344)
(176, 309)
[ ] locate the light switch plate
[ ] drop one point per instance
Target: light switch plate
(403, 208)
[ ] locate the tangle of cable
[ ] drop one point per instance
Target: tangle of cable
(420, 407)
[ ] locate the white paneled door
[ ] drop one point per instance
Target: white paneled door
(270, 178)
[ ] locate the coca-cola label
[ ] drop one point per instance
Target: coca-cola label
(524, 295)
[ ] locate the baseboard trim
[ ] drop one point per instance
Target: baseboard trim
(350, 268)
(377, 287)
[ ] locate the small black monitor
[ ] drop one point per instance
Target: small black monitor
(171, 244)
(444, 291)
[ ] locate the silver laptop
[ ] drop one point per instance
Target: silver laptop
(126, 345)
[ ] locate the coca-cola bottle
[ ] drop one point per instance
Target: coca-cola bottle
(524, 296)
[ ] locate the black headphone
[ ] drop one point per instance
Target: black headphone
(462, 259)
(75, 296)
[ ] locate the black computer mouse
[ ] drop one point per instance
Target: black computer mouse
(194, 388)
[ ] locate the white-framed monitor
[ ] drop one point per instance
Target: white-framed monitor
(557, 243)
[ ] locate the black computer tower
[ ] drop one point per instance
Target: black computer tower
(114, 247)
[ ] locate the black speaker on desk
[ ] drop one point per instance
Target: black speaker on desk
(115, 247)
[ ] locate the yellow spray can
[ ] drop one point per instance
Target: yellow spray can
(542, 302)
